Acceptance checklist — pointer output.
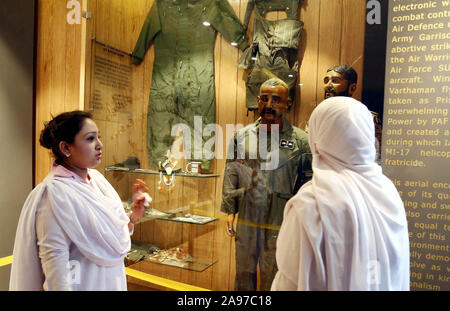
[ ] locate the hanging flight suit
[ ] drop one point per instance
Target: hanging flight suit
(274, 49)
(261, 208)
(183, 33)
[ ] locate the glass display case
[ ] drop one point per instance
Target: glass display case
(177, 230)
(183, 235)
(177, 236)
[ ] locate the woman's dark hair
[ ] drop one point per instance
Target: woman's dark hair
(63, 127)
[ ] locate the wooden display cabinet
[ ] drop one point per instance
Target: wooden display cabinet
(168, 230)
(117, 93)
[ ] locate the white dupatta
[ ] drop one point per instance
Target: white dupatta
(94, 220)
(346, 229)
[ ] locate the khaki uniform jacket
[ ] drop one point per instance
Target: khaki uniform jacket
(273, 52)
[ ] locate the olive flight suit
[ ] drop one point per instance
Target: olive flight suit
(183, 33)
(274, 50)
(260, 208)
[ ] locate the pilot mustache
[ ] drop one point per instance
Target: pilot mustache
(268, 111)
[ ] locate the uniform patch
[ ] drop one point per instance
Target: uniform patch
(287, 144)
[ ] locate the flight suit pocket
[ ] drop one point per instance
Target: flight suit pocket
(283, 178)
(275, 215)
(286, 33)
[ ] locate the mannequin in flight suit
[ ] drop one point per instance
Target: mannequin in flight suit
(259, 192)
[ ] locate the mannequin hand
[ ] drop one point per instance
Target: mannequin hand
(230, 223)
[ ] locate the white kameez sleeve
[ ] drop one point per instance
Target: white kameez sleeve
(54, 248)
(282, 283)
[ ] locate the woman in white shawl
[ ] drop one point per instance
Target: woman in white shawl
(73, 232)
(346, 229)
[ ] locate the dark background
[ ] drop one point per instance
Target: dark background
(375, 62)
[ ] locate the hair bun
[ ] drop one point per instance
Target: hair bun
(47, 136)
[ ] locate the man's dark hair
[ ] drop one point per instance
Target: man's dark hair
(348, 72)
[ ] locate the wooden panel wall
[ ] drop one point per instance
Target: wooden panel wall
(333, 34)
(58, 69)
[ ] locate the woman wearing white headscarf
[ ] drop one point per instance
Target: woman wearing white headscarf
(346, 229)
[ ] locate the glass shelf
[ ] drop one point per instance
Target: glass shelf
(202, 220)
(152, 172)
(150, 253)
(175, 216)
(198, 264)
(190, 219)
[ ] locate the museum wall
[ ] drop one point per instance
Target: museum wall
(16, 119)
(333, 34)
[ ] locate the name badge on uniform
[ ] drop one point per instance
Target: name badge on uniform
(287, 144)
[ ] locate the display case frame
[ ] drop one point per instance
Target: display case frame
(113, 28)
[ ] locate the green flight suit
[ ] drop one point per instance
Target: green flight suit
(274, 49)
(183, 71)
(261, 208)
